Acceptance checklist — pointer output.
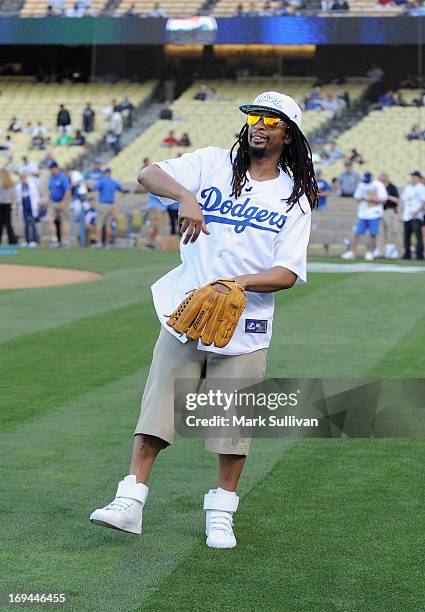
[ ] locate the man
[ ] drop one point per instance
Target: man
(333, 151)
(325, 190)
(390, 225)
(243, 217)
(107, 208)
(63, 120)
(115, 130)
(95, 173)
(371, 195)
(88, 117)
(60, 194)
(126, 108)
(48, 161)
(348, 181)
(413, 199)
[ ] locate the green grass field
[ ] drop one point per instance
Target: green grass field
(323, 525)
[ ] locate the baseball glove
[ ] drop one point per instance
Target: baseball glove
(210, 313)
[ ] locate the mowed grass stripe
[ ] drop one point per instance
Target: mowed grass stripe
(336, 525)
(344, 329)
(407, 358)
(52, 367)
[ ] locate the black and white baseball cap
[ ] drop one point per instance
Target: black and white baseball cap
(275, 102)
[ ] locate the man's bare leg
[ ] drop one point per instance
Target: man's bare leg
(145, 451)
(229, 471)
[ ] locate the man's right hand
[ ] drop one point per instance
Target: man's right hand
(191, 219)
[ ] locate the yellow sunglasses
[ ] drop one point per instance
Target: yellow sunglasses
(269, 122)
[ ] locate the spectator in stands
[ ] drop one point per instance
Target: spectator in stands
(63, 120)
(184, 140)
(240, 11)
(325, 190)
(156, 211)
(95, 173)
(27, 167)
(390, 225)
(157, 11)
(212, 94)
(333, 151)
(126, 108)
(107, 209)
(252, 11)
(170, 140)
(57, 7)
(115, 130)
(28, 128)
(107, 111)
(64, 138)
(330, 103)
(384, 3)
(79, 139)
(131, 12)
(371, 195)
(375, 74)
(14, 126)
(202, 93)
(335, 186)
(9, 145)
(416, 133)
(88, 117)
(37, 143)
(355, 157)
(413, 199)
(387, 99)
(415, 8)
(401, 100)
(7, 199)
(314, 100)
(166, 112)
(39, 130)
(59, 193)
(267, 9)
(28, 199)
(344, 97)
(348, 181)
(340, 5)
(48, 161)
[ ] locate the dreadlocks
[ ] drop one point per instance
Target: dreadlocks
(295, 161)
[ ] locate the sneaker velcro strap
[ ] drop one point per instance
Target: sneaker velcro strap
(133, 491)
(226, 503)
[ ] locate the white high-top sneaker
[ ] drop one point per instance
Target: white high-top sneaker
(126, 511)
(218, 527)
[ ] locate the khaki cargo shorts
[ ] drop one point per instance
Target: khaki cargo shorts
(59, 211)
(173, 359)
(156, 218)
(104, 214)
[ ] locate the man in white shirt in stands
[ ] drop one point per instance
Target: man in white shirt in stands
(245, 214)
(413, 200)
(371, 195)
